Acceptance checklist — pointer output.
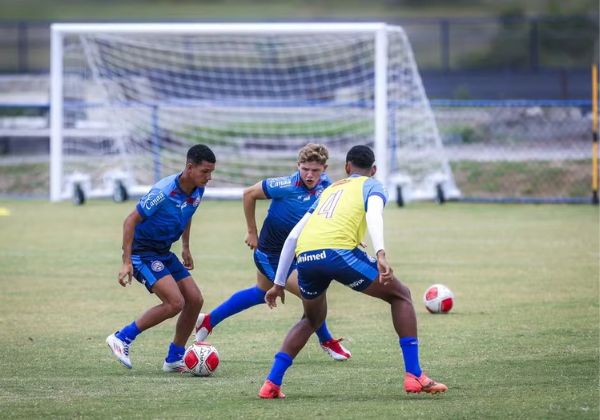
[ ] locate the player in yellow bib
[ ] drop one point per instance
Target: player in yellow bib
(325, 242)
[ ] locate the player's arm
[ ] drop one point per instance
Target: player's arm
(188, 261)
(128, 230)
(285, 261)
(251, 194)
(374, 219)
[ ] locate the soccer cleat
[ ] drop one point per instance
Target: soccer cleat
(120, 349)
(333, 348)
(203, 327)
(270, 391)
(412, 384)
(176, 366)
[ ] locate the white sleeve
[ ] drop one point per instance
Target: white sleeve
(287, 253)
(374, 218)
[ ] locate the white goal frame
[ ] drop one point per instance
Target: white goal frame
(380, 31)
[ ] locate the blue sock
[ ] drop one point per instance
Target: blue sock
(175, 353)
(239, 301)
(410, 351)
(128, 333)
(323, 333)
(281, 363)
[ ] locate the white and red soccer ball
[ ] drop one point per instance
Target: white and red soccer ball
(438, 299)
(201, 359)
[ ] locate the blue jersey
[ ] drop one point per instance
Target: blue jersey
(166, 211)
(290, 201)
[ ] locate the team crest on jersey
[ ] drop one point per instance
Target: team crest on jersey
(197, 202)
(157, 266)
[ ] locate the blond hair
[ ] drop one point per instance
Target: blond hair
(313, 152)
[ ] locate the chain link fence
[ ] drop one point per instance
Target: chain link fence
(498, 150)
(519, 150)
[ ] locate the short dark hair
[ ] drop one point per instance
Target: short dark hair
(361, 157)
(200, 153)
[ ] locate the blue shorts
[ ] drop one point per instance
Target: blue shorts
(267, 264)
(351, 267)
(148, 269)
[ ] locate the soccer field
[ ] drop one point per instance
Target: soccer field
(522, 341)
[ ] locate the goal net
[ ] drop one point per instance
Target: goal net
(128, 100)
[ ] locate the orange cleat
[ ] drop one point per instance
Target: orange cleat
(412, 384)
(270, 391)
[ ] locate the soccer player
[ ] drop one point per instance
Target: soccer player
(160, 218)
(291, 197)
(325, 242)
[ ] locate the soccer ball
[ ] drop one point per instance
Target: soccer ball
(438, 299)
(201, 359)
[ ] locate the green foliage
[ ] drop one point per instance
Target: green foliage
(464, 134)
(568, 42)
(563, 41)
(521, 342)
(271, 9)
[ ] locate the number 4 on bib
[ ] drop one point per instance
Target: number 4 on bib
(330, 204)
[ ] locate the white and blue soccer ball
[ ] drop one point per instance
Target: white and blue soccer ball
(438, 299)
(201, 359)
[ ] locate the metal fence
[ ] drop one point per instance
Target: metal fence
(536, 151)
(530, 151)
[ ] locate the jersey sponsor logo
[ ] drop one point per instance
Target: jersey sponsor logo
(157, 266)
(280, 182)
(312, 257)
(356, 283)
(153, 198)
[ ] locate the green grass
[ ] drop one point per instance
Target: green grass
(522, 341)
(568, 178)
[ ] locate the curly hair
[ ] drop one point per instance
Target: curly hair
(313, 152)
(361, 156)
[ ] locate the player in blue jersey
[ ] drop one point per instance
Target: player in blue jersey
(291, 196)
(160, 218)
(325, 243)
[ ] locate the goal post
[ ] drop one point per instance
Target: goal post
(127, 101)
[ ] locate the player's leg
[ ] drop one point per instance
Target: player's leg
(330, 345)
(171, 304)
(315, 311)
(185, 324)
(241, 300)
(236, 303)
(405, 323)
(193, 304)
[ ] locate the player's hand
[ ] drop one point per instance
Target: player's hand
(272, 293)
(386, 274)
(251, 240)
(188, 261)
(363, 245)
(125, 274)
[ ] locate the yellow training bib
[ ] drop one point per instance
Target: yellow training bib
(338, 222)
